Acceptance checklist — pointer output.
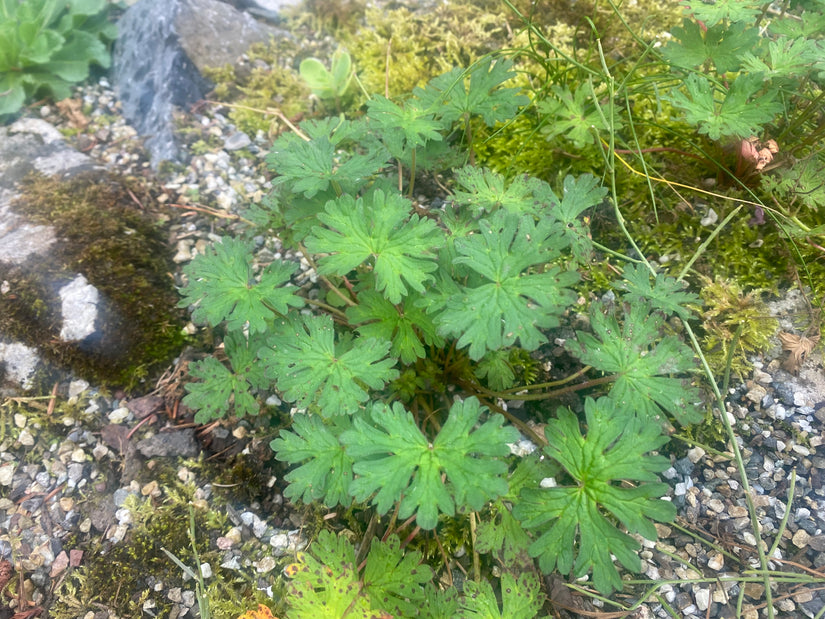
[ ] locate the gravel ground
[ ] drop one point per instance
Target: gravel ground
(81, 474)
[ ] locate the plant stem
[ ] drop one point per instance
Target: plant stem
(701, 249)
(327, 307)
(326, 281)
(476, 558)
(740, 465)
(523, 427)
(554, 383)
(547, 395)
(412, 174)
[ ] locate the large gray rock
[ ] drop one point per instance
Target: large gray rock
(65, 262)
(162, 47)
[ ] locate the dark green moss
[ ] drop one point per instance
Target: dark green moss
(104, 236)
(140, 558)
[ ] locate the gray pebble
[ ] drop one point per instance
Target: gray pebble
(237, 141)
(75, 473)
(809, 526)
(40, 577)
(169, 444)
(119, 496)
(814, 606)
(43, 479)
(683, 466)
(784, 392)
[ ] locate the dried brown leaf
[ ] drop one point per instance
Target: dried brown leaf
(799, 348)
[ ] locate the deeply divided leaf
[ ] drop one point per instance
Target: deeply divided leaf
(724, 45)
(380, 232)
(521, 598)
(223, 287)
(505, 538)
(487, 191)
(310, 167)
(513, 302)
(663, 293)
(326, 469)
(575, 533)
(226, 389)
(643, 361)
(742, 113)
(394, 459)
(711, 13)
(396, 579)
(483, 96)
(325, 586)
(312, 370)
(406, 325)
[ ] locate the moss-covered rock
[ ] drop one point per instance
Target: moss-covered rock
(105, 248)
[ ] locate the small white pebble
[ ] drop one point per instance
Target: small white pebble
(119, 415)
(716, 561)
(702, 597)
(696, 454)
(267, 564)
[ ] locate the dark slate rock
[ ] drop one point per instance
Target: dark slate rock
(170, 444)
(683, 466)
(809, 526)
(152, 74)
(784, 392)
(815, 605)
(162, 47)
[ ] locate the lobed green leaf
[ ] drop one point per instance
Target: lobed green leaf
(741, 114)
(484, 190)
(312, 371)
(313, 167)
(326, 469)
(221, 285)
(726, 46)
(573, 115)
(572, 521)
(483, 96)
(396, 579)
(405, 325)
(664, 293)
(711, 13)
(642, 361)
(380, 230)
(394, 459)
(326, 586)
(521, 598)
(513, 303)
(225, 389)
